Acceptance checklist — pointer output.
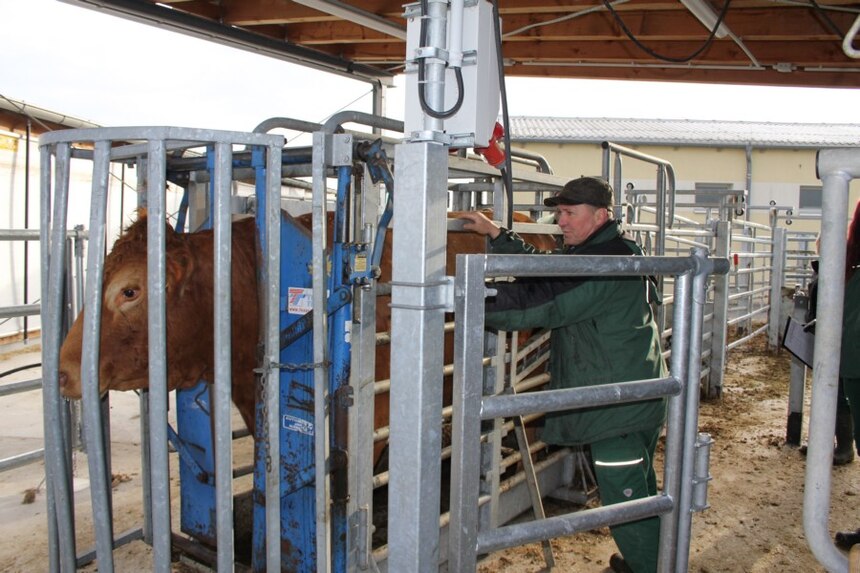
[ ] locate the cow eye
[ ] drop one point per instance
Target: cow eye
(129, 293)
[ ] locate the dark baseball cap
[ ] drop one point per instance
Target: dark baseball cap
(589, 190)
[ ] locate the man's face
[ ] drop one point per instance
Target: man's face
(578, 222)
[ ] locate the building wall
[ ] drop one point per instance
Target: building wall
(777, 174)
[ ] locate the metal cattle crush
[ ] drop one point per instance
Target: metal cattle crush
(332, 537)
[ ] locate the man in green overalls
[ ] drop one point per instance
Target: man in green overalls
(603, 332)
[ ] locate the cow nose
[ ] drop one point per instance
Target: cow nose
(63, 379)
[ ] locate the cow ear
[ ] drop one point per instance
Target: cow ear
(180, 266)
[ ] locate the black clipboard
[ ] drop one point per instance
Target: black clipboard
(799, 339)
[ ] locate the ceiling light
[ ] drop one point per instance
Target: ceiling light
(705, 14)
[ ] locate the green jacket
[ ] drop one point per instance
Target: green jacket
(603, 331)
(849, 365)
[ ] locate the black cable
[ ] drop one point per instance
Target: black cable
(20, 368)
(671, 59)
(507, 172)
(458, 75)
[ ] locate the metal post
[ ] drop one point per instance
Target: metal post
(777, 277)
(691, 420)
(362, 377)
(156, 278)
(836, 167)
(719, 330)
(320, 338)
(60, 517)
(272, 287)
(93, 430)
(223, 349)
(417, 321)
(675, 421)
(466, 432)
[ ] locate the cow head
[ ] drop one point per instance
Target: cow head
(124, 348)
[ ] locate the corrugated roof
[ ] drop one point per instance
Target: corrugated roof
(684, 132)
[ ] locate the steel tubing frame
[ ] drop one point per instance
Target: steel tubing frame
(56, 146)
(836, 168)
(470, 406)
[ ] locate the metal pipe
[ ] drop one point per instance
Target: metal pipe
(561, 525)
(320, 351)
(691, 407)
(223, 438)
(835, 168)
(97, 460)
(157, 316)
(53, 234)
(572, 398)
(272, 280)
(675, 422)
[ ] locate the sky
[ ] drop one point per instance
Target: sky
(116, 72)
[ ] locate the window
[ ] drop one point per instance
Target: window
(810, 198)
(710, 194)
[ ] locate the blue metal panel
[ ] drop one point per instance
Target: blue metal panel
(298, 527)
(197, 462)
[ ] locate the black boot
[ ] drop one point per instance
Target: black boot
(844, 451)
(847, 539)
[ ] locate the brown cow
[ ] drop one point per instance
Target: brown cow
(123, 359)
(124, 350)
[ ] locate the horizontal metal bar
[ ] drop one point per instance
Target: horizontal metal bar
(18, 387)
(33, 234)
(507, 405)
(532, 531)
(587, 265)
(13, 462)
(20, 310)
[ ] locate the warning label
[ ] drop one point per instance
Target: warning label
(299, 300)
(294, 424)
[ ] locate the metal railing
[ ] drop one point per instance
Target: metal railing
(474, 404)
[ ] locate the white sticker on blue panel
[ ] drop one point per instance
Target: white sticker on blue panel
(299, 300)
(294, 424)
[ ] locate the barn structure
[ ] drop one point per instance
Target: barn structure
(313, 493)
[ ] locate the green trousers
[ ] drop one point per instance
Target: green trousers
(625, 471)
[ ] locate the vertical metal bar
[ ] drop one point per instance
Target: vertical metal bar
(835, 168)
(675, 421)
(660, 247)
(93, 430)
(362, 377)
(223, 349)
(146, 466)
(719, 331)
(272, 277)
(27, 224)
(777, 278)
(60, 513)
(466, 420)
(691, 420)
(320, 336)
(417, 323)
(156, 279)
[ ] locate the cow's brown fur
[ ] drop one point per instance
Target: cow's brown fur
(123, 363)
(124, 344)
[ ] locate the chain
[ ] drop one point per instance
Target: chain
(299, 366)
(261, 397)
(264, 414)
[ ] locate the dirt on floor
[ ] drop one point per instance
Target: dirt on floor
(755, 519)
(754, 523)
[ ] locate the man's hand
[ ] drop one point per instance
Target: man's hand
(478, 223)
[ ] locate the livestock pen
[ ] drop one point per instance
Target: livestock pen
(509, 509)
